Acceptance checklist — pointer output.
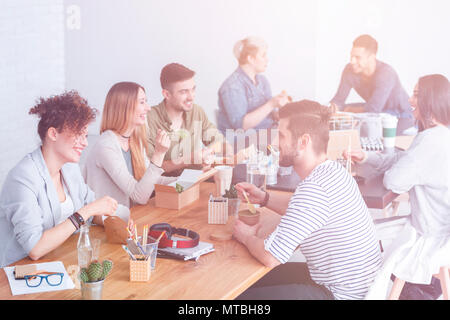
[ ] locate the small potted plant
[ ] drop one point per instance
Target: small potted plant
(92, 278)
(233, 200)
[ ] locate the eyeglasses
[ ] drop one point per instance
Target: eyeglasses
(52, 278)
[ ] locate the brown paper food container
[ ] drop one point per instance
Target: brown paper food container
(116, 230)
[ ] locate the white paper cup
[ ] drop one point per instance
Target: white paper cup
(389, 131)
(222, 179)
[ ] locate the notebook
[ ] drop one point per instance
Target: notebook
(186, 253)
(20, 287)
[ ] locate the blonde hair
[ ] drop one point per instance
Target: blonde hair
(248, 47)
(118, 113)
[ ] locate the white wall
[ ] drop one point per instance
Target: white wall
(132, 40)
(31, 65)
(89, 45)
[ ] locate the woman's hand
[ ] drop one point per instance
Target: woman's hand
(162, 143)
(254, 194)
(105, 206)
(355, 155)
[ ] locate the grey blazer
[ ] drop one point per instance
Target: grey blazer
(29, 204)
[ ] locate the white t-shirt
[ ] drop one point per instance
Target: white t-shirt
(67, 207)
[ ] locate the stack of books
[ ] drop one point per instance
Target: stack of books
(186, 253)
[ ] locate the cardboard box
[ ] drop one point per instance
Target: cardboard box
(340, 140)
(166, 196)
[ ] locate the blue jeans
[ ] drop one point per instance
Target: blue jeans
(290, 281)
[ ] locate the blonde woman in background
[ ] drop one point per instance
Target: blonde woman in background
(245, 98)
(118, 165)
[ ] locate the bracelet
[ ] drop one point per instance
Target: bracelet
(266, 199)
(74, 221)
(78, 218)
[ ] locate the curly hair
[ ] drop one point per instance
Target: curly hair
(67, 111)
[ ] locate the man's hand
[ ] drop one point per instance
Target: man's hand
(354, 109)
(255, 195)
(242, 231)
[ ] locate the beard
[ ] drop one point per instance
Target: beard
(287, 159)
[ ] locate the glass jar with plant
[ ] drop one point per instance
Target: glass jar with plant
(233, 201)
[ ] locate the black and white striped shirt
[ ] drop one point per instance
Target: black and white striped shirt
(328, 219)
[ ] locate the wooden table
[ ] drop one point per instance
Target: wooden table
(375, 195)
(222, 274)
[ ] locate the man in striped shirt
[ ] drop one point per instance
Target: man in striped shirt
(326, 217)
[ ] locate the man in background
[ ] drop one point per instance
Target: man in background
(194, 139)
(376, 82)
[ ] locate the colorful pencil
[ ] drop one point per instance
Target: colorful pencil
(160, 236)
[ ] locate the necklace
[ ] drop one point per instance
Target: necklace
(125, 137)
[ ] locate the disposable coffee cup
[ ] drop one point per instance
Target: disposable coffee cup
(389, 131)
(222, 179)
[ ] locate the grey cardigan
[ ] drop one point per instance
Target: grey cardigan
(106, 173)
(29, 204)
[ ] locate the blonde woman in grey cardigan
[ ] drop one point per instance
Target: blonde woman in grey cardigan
(44, 198)
(423, 171)
(118, 165)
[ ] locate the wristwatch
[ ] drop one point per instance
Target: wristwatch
(79, 219)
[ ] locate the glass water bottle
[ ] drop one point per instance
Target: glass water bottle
(84, 247)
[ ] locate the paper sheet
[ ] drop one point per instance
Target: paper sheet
(187, 178)
(19, 287)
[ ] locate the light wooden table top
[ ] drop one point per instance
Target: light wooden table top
(222, 274)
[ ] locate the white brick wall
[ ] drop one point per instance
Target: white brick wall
(31, 65)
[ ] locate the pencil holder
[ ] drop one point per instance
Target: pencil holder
(217, 210)
(140, 270)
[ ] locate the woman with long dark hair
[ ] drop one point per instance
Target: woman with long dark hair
(423, 171)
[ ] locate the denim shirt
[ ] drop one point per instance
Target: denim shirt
(382, 92)
(238, 96)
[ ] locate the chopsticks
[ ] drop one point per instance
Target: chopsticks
(251, 207)
(160, 236)
(272, 150)
(349, 155)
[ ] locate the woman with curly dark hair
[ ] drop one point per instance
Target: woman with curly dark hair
(44, 198)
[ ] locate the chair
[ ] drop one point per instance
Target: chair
(443, 276)
(392, 210)
(386, 229)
